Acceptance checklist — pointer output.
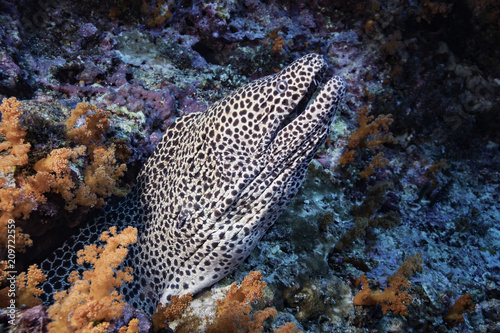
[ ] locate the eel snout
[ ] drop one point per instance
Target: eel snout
(297, 142)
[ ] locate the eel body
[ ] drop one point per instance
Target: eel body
(215, 183)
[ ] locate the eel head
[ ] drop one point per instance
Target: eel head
(219, 179)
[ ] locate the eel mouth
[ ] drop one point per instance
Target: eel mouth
(308, 97)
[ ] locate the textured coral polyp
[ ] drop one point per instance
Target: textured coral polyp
(169, 312)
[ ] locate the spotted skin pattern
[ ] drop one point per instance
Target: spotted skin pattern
(214, 185)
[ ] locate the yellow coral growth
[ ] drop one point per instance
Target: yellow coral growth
(93, 298)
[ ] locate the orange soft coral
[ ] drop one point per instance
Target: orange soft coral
(170, 312)
(250, 289)
(93, 298)
(58, 160)
(101, 179)
(378, 161)
(17, 150)
(234, 311)
(14, 202)
(103, 173)
(288, 328)
(133, 327)
(461, 305)
(96, 123)
(27, 287)
(394, 297)
(371, 134)
(19, 195)
(54, 173)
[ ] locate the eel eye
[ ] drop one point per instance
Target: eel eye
(281, 86)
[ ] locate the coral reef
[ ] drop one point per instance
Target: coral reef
(231, 313)
(428, 70)
(14, 202)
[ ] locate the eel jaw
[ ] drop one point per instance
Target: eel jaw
(299, 140)
(301, 106)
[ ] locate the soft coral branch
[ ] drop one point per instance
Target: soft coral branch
(461, 305)
(234, 312)
(27, 284)
(92, 297)
(56, 173)
(394, 297)
(14, 202)
(372, 133)
(96, 123)
(17, 150)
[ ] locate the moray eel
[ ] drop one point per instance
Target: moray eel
(215, 183)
